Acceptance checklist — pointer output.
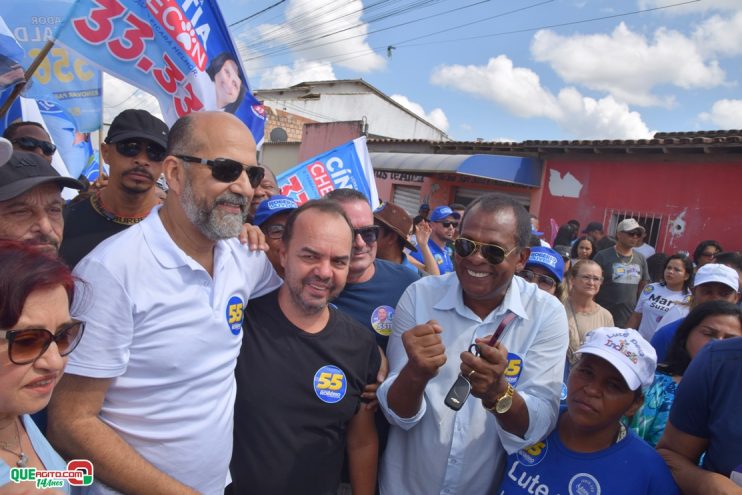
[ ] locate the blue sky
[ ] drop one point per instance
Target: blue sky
(504, 74)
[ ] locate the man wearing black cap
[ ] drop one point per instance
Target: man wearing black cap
(134, 150)
(31, 200)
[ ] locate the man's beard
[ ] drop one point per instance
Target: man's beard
(213, 223)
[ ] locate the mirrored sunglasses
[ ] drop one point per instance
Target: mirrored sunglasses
(228, 170)
(30, 144)
(27, 345)
(493, 253)
(133, 147)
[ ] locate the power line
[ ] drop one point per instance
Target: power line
(406, 43)
(258, 13)
(284, 49)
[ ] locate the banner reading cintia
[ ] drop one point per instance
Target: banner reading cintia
(79, 472)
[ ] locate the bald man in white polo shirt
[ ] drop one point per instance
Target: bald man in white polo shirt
(149, 395)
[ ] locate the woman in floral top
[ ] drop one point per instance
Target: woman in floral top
(708, 321)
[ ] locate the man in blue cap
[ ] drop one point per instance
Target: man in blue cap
(444, 222)
(270, 216)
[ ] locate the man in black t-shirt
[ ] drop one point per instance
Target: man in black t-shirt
(134, 150)
(302, 369)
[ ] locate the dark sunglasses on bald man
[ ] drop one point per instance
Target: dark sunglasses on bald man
(30, 144)
(227, 170)
(132, 147)
(491, 252)
(27, 345)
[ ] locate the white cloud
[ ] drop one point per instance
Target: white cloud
(627, 65)
(720, 35)
(518, 90)
(437, 116)
(726, 114)
(284, 76)
(119, 96)
(317, 20)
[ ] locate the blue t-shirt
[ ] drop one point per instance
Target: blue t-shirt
(548, 467)
(372, 303)
(662, 339)
(708, 403)
(442, 256)
(49, 457)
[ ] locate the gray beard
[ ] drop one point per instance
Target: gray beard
(209, 221)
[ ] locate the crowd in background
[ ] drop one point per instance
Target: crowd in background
(194, 331)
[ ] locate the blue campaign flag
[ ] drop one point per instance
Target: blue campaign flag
(63, 78)
(180, 51)
(346, 167)
(11, 53)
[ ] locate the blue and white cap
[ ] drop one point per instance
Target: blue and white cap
(548, 259)
(272, 206)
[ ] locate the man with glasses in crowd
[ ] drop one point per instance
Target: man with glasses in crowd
(373, 284)
(134, 150)
(270, 217)
(149, 395)
(444, 222)
(32, 137)
(515, 383)
(625, 272)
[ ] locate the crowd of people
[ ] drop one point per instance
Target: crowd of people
(219, 338)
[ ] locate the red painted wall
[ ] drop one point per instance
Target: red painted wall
(701, 196)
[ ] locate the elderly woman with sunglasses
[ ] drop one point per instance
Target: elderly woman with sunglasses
(37, 333)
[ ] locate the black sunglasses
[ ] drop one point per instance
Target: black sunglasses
(27, 345)
(369, 234)
(634, 233)
(227, 170)
(491, 252)
(30, 144)
(133, 147)
(540, 280)
(449, 224)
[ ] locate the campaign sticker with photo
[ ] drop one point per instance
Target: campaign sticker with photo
(381, 320)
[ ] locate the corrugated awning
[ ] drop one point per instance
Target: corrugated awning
(506, 168)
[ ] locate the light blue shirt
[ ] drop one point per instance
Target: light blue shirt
(442, 451)
(49, 457)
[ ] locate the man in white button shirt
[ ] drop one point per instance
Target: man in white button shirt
(149, 398)
(515, 385)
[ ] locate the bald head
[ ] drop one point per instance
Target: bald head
(204, 133)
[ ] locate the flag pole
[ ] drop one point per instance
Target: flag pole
(28, 75)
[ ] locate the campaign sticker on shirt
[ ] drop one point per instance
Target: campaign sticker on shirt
(624, 273)
(438, 259)
(381, 320)
(648, 289)
(563, 395)
(330, 384)
(514, 369)
(534, 454)
(235, 314)
(584, 484)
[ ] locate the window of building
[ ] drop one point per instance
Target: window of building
(652, 222)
